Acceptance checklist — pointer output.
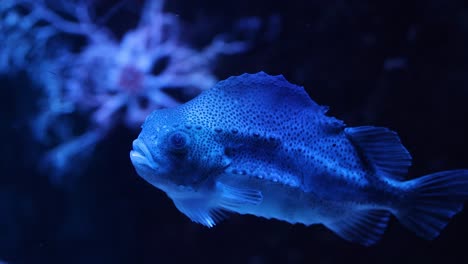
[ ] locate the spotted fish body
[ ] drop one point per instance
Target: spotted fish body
(256, 144)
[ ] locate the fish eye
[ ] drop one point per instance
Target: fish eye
(178, 141)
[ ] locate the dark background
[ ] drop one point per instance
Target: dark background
(338, 50)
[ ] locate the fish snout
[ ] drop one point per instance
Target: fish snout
(140, 155)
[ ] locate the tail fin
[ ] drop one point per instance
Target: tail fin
(433, 200)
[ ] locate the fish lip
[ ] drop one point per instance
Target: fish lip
(141, 154)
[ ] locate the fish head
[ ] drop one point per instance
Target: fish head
(241, 118)
(174, 156)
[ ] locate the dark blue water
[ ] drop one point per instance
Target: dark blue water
(397, 64)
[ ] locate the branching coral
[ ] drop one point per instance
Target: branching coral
(108, 80)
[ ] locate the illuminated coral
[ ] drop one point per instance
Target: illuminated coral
(107, 80)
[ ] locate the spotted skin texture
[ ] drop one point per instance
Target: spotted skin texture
(257, 144)
(284, 129)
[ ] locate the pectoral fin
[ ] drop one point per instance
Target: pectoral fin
(201, 212)
(233, 198)
(211, 210)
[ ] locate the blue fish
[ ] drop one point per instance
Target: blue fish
(257, 144)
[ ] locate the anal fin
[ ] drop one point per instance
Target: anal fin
(363, 227)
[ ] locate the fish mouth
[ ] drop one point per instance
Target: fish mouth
(140, 155)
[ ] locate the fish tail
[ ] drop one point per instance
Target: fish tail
(433, 200)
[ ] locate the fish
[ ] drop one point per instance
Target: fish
(256, 144)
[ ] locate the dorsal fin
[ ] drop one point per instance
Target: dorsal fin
(363, 227)
(266, 91)
(258, 103)
(382, 148)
